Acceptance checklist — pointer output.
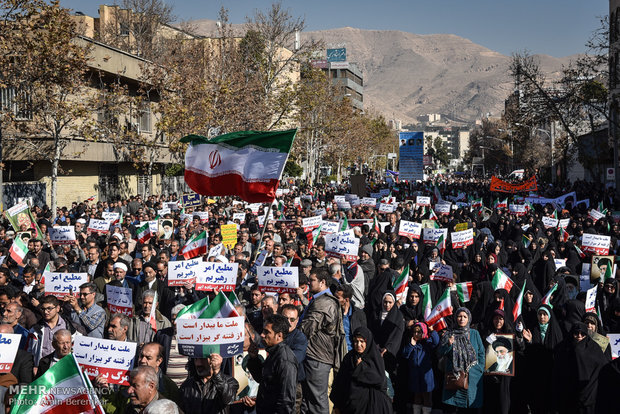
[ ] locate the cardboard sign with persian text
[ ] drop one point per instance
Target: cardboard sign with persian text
(462, 238)
(278, 279)
(62, 234)
(217, 276)
(9, 344)
(63, 284)
(109, 359)
(595, 244)
(342, 244)
(199, 338)
(410, 229)
(120, 300)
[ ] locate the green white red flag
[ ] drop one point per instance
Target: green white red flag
(196, 246)
(195, 310)
(427, 303)
(247, 163)
(516, 310)
(547, 299)
(220, 307)
(464, 291)
(144, 233)
(62, 389)
(442, 309)
(18, 250)
(441, 244)
(401, 284)
(501, 281)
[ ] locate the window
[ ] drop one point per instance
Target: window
(144, 117)
(17, 102)
(124, 29)
(144, 188)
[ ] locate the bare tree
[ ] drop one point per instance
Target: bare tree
(136, 26)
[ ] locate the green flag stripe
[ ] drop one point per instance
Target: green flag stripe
(278, 140)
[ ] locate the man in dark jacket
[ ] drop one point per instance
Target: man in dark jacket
(321, 322)
(298, 343)
(352, 317)
(207, 389)
(277, 375)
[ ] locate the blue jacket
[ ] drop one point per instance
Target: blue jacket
(471, 397)
(298, 343)
(420, 365)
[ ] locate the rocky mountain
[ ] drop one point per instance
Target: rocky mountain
(407, 75)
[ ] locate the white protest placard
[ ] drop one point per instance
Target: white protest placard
(204, 215)
(342, 244)
(200, 337)
(216, 250)
(355, 202)
(376, 195)
(120, 299)
(279, 192)
(423, 201)
(441, 272)
(410, 229)
(595, 243)
(339, 199)
(345, 205)
(387, 208)
(9, 346)
(596, 215)
(563, 223)
(559, 263)
(62, 234)
(183, 271)
(98, 226)
(614, 342)
(104, 357)
(431, 235)
(591, 299)
(254, 207)
(261, 218)
(443, 208)
(311, 223)
(217, 276)
(369, 202)
(549, 222)
(162, 212)
(462, 238)
(153, 226)
(62, 284)
(171, 205)
(517, 209)
(329, 227)
(384, 192)
(110, 216)
(320, 212)
(351, 197)
(277, 279)
(239, 216)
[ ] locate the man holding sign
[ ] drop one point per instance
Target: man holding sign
(90, 316)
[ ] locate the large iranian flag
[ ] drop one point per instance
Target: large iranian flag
(61, 389)
(195, 310)
(248, 163)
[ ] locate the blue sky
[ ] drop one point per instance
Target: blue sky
(554, 27)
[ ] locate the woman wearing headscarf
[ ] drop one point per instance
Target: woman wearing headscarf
(596, 332)
(497, 387)
(606, 296)
(611, 319)
(578, 360)
(359, 386)
(416, 366)
(476, 268)
(464, 354)
(541, 341)
(388, 326)
(412, 309)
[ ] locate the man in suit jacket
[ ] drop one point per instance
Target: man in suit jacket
(63, 346)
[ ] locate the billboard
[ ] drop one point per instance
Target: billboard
(337, 55)
(411, 163)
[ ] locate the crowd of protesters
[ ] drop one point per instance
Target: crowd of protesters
(343, 342)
